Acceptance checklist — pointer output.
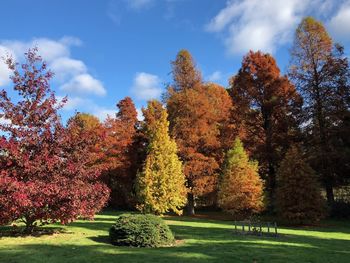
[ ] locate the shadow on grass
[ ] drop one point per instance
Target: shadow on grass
(104, 239)
(14, 231)
(243, 250)
(201, 244)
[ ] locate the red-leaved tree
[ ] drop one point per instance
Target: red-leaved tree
(45, 176)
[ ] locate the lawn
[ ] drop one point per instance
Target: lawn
(203, 240)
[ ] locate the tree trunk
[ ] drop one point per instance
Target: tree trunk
(269, 155)
(272, 185)
(325, 151)
(29, 228)
(330, 194)
(190, 204)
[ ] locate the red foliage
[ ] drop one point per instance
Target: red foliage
(44, 172)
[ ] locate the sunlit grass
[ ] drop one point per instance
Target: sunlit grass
(202, 241)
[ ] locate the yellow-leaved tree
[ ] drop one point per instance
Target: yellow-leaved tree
(240, 189)
(161, 183)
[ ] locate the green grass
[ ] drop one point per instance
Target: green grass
(203, 241)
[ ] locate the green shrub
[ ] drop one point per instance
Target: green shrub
(140, 230)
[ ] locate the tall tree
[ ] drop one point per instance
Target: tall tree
(321, 73)
(45, 174)
(185, 73)
(299, 197)
(266, 107)
(122, 153)
(198, 115)
(161, 183)
(240, 189)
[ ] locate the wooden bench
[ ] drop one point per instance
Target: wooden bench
(256, 228)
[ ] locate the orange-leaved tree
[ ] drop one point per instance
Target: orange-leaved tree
(122, 153)
(198, 115)
(240, 188)
(84, 124)
(267, 107)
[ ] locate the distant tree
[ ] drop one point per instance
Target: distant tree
(89, 126)
(320, 70)
(267, 107)
(161, 183)
(185, 73)
(122, 153)
(299, 198)
(240, 188)
(45, 174)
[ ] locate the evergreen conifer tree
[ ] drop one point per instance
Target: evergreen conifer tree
(298, 192)
(161, 183)
(241, 189)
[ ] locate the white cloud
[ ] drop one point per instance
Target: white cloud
(49, 49)
(71, 74)
(140, 116)
(224, 17)
(73, 103)
(215, 76)
(4, 121)
(146, 86)
(84, 83)
(66, 67)
(102, 113)
(258, 24)
(339, 24)
(86, 105)
(4, 70)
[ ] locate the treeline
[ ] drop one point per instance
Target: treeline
(267, 142)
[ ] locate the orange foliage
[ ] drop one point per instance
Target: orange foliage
(121, 153)
(266, 108)
(198, 117)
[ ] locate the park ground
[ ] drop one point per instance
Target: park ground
(199, 240)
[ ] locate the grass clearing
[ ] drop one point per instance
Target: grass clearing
(202, 240)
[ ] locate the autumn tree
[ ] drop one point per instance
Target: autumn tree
(198, 114)
(161, 183)
(45, 175)
(298, 194)
(240, 188)
(320, 71)
(267, 107)
(185, 73)
(89, 126)
(122, 153)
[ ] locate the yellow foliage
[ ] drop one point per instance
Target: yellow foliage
(161, 184)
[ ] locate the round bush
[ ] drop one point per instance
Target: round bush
(139, 230)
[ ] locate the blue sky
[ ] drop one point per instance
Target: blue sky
(102, 51)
